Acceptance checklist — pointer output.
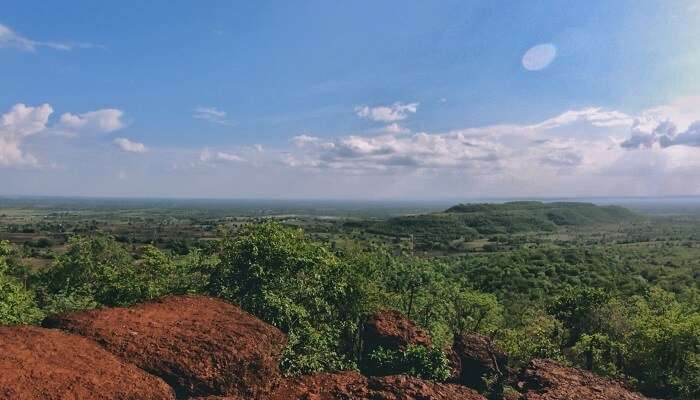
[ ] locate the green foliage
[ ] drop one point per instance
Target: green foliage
(414, 360)
(577, 308)
(98, 271)
(619, 307)
(473, 311)
(599, 353)
(94, 268)
(165, 274)
(293, 283)
(424, 291)
(540, 336)
(465, 222)
(663, 346)
(17, 305)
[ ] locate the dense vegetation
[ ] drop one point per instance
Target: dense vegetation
(465, 222)
(609, 305)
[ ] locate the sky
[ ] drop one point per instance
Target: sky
(361, 99)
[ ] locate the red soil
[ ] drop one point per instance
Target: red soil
(46, 364)
(392, 329)
(548, 380)
(200, 346)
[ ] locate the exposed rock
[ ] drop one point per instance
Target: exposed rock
(353, 386)
(47, 364)
(474, 356)
(200, 346)
(391, 329)
(547, 380)
(402, 387)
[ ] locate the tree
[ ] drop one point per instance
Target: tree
(474, 311)
(17, 305)
(664, 346)
(301, 287)
(578, 309)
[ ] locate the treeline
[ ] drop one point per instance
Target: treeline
(539, 304)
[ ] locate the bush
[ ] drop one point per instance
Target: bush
(98, 271)
(17, 305)
(281, 276)
(414, 360)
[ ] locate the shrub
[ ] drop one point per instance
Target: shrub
(414, 360)
(281, 276)
(17, 305)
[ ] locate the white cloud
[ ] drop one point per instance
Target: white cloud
(596, 116)
(99, 121)
(15, 126)
(205, 155)
(212, 114)
(304, 140)
(578, 152)
(223, 156)
(503, 150)
(395, 128)
(391, 113)
(11, 39)
(130, 146)
(208, 156)
(23, 121)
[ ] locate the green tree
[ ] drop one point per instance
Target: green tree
(664, 346)
(473, 311)
(540, 336)
(578, 310)
(17, 305)
(286, 279)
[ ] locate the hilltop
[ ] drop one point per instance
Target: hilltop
(470, 221)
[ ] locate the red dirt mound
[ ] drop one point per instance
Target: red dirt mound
(353, 386)
(548, 380)
(46, 364)
(474, 356)
(391, 329)
(200, 346)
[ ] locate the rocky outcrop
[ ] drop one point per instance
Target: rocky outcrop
(391, 329)
(474, 356)
(196, 347)
(200, 346)
(47, 364)
(547, 380)
(354, 386)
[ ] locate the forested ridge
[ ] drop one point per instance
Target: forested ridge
(465, 222)
(626, 313)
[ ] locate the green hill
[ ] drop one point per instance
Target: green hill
(469, 221)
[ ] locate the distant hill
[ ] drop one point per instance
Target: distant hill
(469, 221)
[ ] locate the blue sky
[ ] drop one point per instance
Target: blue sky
(360, 99)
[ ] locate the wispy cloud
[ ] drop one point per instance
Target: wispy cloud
(212, 114)
(488, 150)
(390, 113)
(130, 146)
(208, 156)
(11, 39)
(98, 121)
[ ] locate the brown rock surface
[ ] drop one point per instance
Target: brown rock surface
(473, 356)
(547, 380)
(38, 363)
(200, 346)
(391, 329)
(353, 386)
